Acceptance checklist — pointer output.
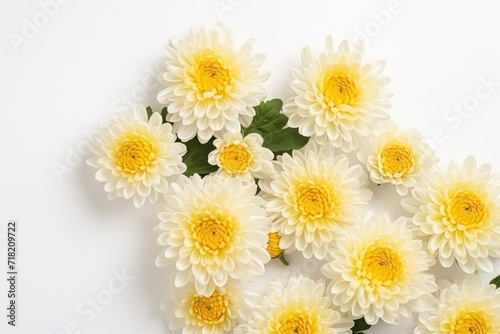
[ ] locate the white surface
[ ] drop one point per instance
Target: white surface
(92, 56)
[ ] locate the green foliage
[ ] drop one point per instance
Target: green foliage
(164, 113)
(149, 110)
(270, 123)
(196, 158)
(360, 326)
(496, 281)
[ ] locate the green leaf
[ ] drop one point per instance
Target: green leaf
(196, 158)
(149, 110)
(285, 140)
(270, 123)
(360, 325)
(164, 113)
(267, 118)
(496, 281)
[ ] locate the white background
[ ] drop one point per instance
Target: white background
(91, 57)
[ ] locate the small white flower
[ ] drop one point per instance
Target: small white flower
(245, 158)
(378, 270)
(211, 87)
(312, 195)
(293, 305)
(337, 97)
(396, 156)
(214, 229)
(134, 156)
(458, 212)
(198, 314)
(466, 307)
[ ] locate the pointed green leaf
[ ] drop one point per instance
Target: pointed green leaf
(164, 113)
(149, 111)
(496, 281)
(284, 140)
(196, 158)
(267, 118)
(360, 325)
(270, 123)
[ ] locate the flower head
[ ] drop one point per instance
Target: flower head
(242, 157)
(378, 270)
(396, 156)
(337, 97)
(213, 228)
(211, 87)
(311, 196)
(293, 305)
(199, 314)
(458, 212)
(273, 245)
(135, 156)
(466, 307)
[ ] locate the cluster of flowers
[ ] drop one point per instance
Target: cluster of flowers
(243, 179)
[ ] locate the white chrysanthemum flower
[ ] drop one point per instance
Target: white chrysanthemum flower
(312, 195)
(199, 314)
(211, 87)
(466, 307)
(458, 213)
(378, 270)
(293, 305)
(134, 156)
(397, 156)
(336, 96)
(242, 157)
(214, 228)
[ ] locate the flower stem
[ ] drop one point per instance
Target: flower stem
(283, 260)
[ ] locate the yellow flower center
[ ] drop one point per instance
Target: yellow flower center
(209, 310)
(235, 158)
(313, 200)
(381, 266)
(466, 210)
(298, 322)
(340, 87)
(471, 323)
(212, 74)
(134, 153)
(212, 232)
(397, 160)
(273, 245)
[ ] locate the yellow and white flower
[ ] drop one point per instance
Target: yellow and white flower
(199, 314)
(458, 212)
(273, 245)
(135, 157)
(211, 87)
(378, 270)
(311, 196)
(396, 156)
(294, 305)
(242, 157)
(337, 97)
(214, 229)
(466, 307)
